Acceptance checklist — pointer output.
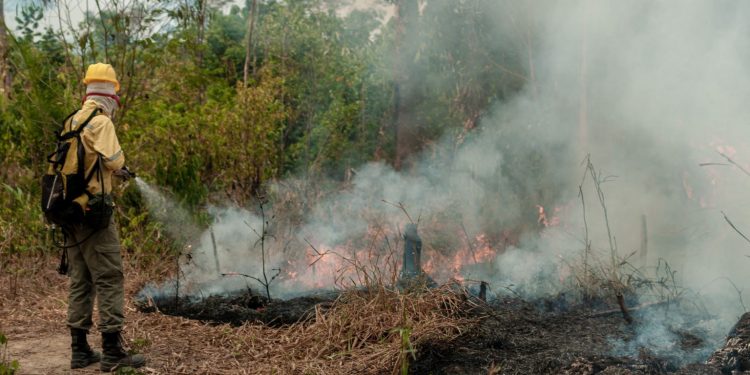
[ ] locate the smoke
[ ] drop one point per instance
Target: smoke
(680, 336)
(650, 91)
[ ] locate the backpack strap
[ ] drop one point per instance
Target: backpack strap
(93, 114)
(97, 168)
(60, 138)
(77, 132)
(69, 116)
(62, 129)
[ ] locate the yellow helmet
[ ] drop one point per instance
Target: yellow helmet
(101, 73)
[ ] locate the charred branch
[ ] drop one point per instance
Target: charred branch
(624, 309)
(237, 309)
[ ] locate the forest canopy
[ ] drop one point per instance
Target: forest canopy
(218, 99)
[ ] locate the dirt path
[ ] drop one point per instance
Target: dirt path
(44, 355)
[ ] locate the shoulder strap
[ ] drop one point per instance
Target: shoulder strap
(82, 153)
(77, 131)
(66, 120)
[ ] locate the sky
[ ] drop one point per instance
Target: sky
(77, 9)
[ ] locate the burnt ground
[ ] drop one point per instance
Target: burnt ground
(512, 337)
(239, 308)
(515, 337)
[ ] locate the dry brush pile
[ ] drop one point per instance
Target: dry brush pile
(373, 331)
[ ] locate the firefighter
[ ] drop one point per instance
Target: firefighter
(95, 261)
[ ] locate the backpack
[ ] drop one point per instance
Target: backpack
(64, 187)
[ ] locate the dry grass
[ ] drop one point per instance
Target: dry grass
(362, 333)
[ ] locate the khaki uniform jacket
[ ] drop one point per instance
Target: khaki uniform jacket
(98, 138)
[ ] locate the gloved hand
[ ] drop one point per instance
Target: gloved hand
(124, 173)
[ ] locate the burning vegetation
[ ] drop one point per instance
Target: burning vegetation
(394, 300)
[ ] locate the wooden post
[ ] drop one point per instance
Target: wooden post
(412, 265)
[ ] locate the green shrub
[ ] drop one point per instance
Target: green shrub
(7, 367)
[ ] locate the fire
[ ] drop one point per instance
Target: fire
(477, 252)
(379, 255)
(351, 263)
(544, 221)
(542, 218)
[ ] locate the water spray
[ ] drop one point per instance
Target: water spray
(143, 186)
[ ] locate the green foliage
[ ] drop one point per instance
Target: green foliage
(7, 367)
(407, 349)
(320, 99)
(21, 226)
(127, 371)
(28, 21)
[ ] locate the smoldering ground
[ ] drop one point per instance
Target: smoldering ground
(652, 91)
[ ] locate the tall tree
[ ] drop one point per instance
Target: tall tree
(404, 93)
(249, 39)
(4, 72)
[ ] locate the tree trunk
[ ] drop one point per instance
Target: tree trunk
(201, 36)
(4, 74)
(249, 40)
(201, 29)
(406, 94)
(583, 110)
(399, 77)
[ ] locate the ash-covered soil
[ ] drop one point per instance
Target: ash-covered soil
(516, 337)
(513, 336)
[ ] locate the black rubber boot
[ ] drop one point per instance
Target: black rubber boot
(82, 353)
(114, 356)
